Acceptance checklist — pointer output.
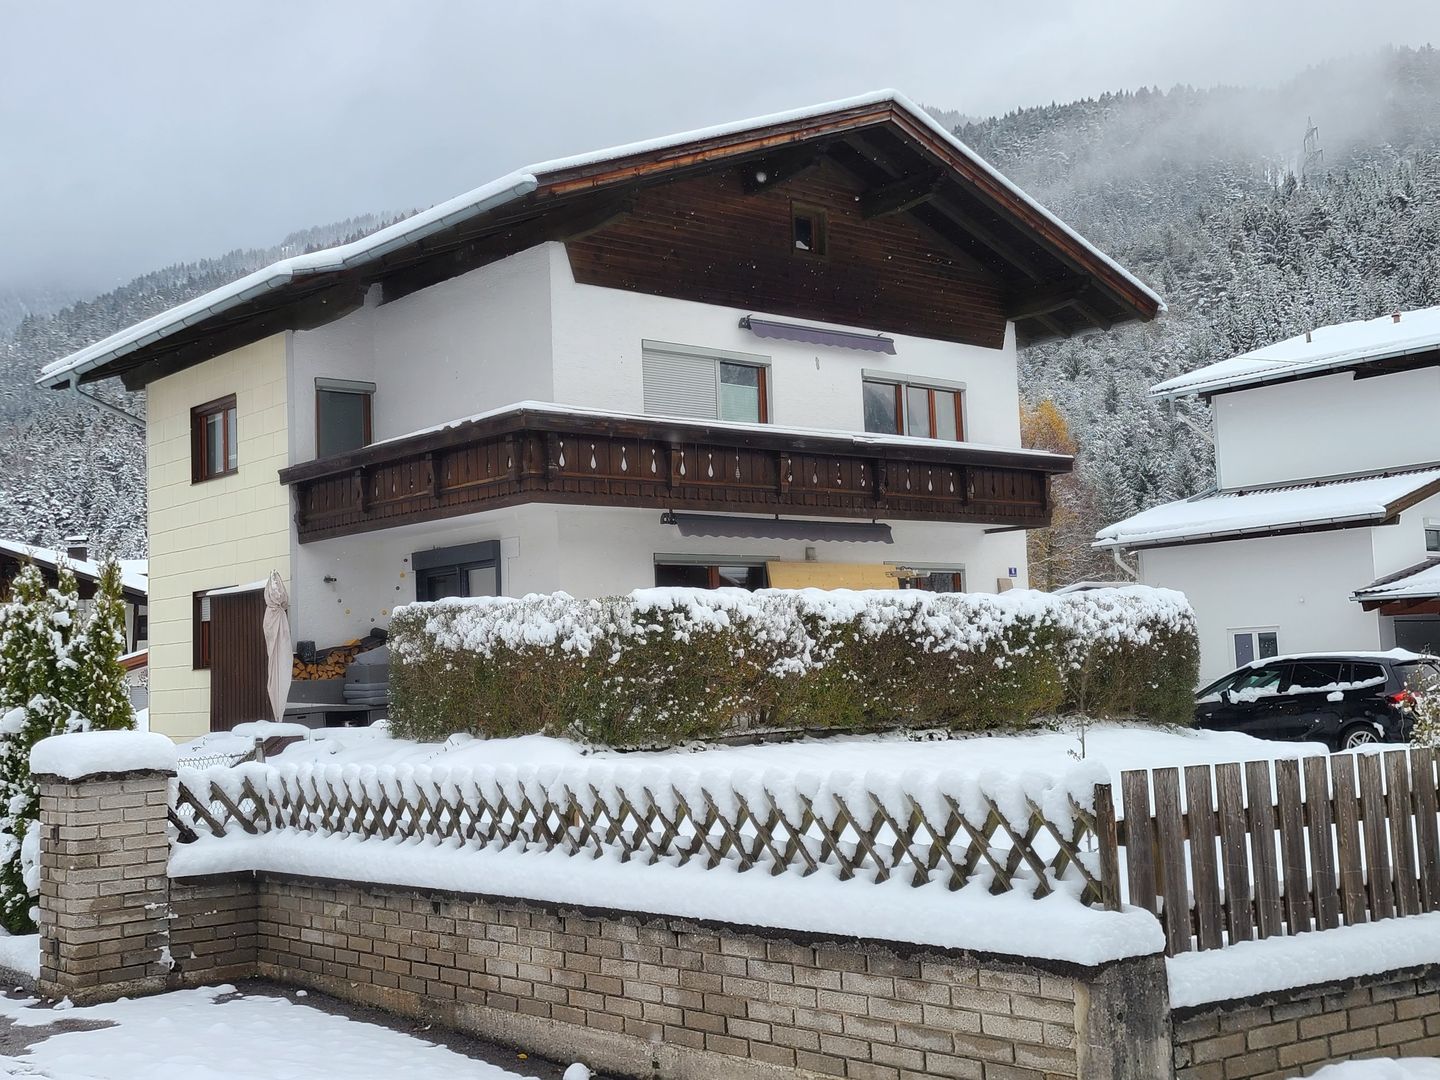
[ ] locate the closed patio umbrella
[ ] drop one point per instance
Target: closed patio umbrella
(278, 648)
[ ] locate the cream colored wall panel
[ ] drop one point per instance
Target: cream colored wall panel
(221, 532)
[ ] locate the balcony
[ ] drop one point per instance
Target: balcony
(541, 453)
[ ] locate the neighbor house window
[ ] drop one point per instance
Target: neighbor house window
(1251, 645)
(935, 581)
(704, 385)
(142, 627)
(903, 408)
(467, 570)
(714, 574)
(1432, 539)
(200, 631)
(342, 416)
(214, 440)
(808, 230)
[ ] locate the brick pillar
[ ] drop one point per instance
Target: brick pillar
(104, 890)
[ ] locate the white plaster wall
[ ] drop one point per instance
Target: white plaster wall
(597, 356)
(1324, 427)
(590, 551)
(226, 531)
(1299, 584)
(1403, 544)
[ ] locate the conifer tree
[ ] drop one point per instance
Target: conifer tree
(105, 702)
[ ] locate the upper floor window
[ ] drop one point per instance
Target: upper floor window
(214, 440)
(901, 408)
(1432, 539)
(342, 415)
(683, 381)
(808, 230)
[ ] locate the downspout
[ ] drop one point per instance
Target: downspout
(1131, 572)
(74, 387)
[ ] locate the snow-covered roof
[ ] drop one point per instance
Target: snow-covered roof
(133, 572)
(1418, 582)
(1223, 515)
(488, 197)
(1318, 352)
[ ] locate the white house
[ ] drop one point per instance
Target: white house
(1322, 531)
(777, 352)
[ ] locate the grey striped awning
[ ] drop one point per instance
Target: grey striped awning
(818, 335)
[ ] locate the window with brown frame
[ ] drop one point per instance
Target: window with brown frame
(214, 440)
(200, 631)
(342, 416)
(901, 408)
(808, 231)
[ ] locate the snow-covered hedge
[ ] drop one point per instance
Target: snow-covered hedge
(661, 666)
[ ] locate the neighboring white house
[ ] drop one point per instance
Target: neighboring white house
(1323, 529)
(775, 352)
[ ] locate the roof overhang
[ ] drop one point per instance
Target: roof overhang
(1057, 284)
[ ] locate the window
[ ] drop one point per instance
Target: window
(213, 440)
(200, 631)
(467, 570)
(807, 230)
(1315, 675)
(935, 581)
(342, 416)
(683, 381)
(1251, 645)
(141, 627)
(710, 575)
(928, 412)
(1432, 539)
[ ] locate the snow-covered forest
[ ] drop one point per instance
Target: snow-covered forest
(1206, 194)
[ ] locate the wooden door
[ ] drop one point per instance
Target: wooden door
(237, 659)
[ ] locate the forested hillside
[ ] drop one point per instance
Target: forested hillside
(1206, 194)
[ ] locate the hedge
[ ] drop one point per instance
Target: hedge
(663, 666)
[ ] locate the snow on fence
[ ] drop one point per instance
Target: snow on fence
(1224, 857)
(1036, 835)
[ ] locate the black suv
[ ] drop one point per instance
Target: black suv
(1343, 699)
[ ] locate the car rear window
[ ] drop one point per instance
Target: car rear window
(1419, 674)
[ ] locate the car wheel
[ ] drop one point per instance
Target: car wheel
(1358, 736)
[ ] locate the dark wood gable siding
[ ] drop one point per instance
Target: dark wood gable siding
(705, 239)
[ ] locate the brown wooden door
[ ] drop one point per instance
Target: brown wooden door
(237, 660)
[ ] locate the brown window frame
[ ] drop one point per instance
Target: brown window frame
(902, 387)
(819, 231)
(369, 431)
(762, 386)
(200, 632)
(200, 464)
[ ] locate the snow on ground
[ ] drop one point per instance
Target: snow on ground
(20, 953)
(1117, 746)
(1386, 1069)
(1320, 956)
(217, 1034)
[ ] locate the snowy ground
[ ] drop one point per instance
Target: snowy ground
(20, 954)
(218, 1033)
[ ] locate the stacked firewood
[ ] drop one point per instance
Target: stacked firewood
(331, 663)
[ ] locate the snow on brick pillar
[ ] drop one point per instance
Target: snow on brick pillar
(104, 846)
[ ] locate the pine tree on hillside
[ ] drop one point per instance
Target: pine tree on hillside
(106, 702)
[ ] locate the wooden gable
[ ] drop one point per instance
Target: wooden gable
(706, 238)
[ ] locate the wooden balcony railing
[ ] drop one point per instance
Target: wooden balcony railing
(550, 455)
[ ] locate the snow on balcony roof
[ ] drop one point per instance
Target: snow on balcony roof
(1226, 515)
(1418, 582)
(488, 197)
(1330, 348)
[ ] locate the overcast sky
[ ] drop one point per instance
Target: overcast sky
(133, 135)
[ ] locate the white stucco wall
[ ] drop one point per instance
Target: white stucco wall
(1299, 585)
(226, 531)
(1324, 427)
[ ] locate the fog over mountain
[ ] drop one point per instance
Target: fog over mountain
(1205, 194)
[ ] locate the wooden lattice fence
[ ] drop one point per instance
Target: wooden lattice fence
(1222, 856)
(1024, 838)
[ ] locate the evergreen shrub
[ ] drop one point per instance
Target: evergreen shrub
(663, 666)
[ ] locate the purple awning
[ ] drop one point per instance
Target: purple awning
(757, 528)
(818, 335)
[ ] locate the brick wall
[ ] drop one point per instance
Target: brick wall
(1294, 1034)
(626, 993)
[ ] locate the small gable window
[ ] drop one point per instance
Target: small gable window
(1432, 539)
(807, 230)
(342, 415)
(213, 440)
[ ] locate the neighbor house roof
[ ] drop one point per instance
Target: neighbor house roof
(1418, 582)
(1069, 285)
(1373, 499)
(1389, 343)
